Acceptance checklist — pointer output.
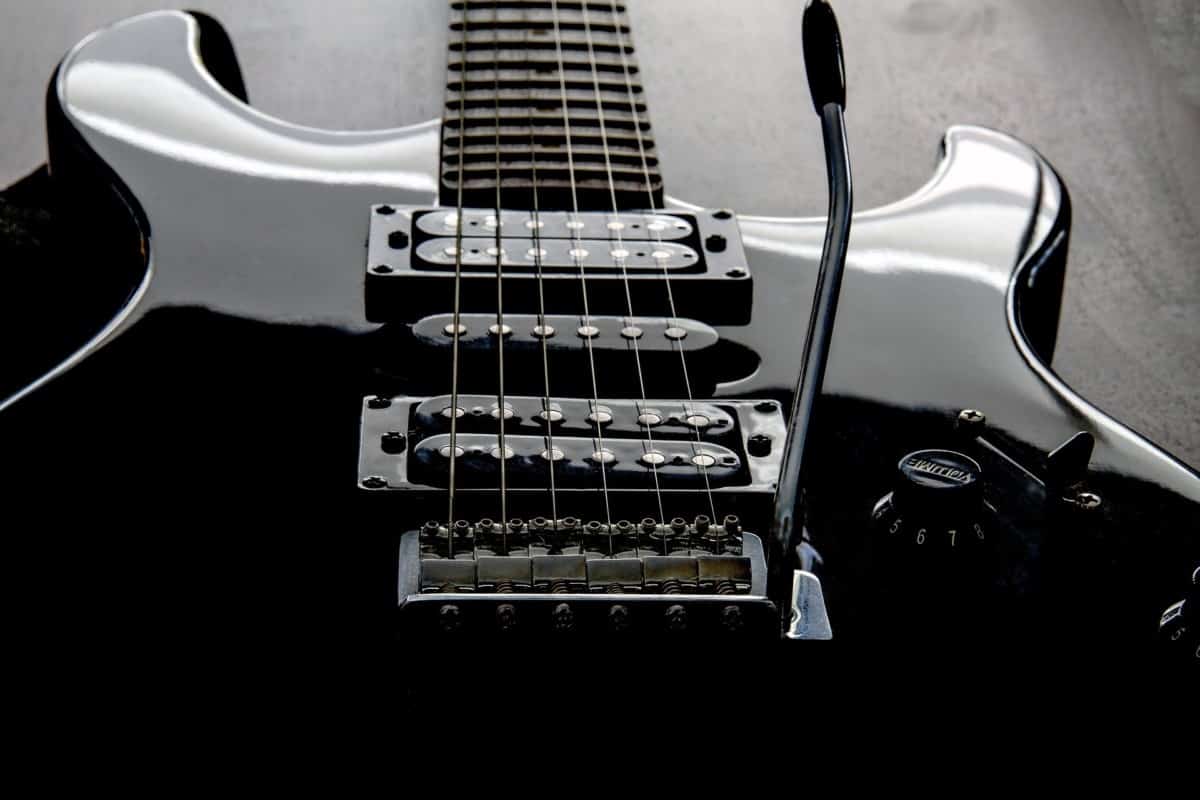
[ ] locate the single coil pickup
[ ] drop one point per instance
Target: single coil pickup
(621, 539)
(576, 462)
(611, 419)
(479, 222)
(570, 350)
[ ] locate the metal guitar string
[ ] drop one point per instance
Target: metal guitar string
(689, 406)
(620, 258)
(501, 330)
(456, 324)
(543, 331)
(577, 248)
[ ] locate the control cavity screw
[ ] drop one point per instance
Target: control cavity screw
(506, 617)
(618, 618)
(393, 442)
(374, 482)
(449, 618)
(379, 401)
(969, 417)
(675, 619)
(1088, 501)
(563, 618)
(731, 619)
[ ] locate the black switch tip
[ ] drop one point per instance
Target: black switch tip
(823, 56)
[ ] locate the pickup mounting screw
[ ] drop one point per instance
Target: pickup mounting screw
(618, 618)
(971, 417)
(563, 619)
(381, 269)
(724, 213)
(393, 442)
(506, 617)
(737, 272)
(449, 618)
(731, 619)
(378, 401)
(676, 619)
(374, 482)
(765, 407)
(386, 211)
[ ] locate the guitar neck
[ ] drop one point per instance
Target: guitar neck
(546, 100)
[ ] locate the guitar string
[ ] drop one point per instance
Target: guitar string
(456, 324)
(501, 332)
(620, 258)
(690, 405)
(576, 249)
(543, 331)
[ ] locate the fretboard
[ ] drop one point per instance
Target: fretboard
(513, 66)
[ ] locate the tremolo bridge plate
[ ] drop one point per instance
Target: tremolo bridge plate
(413, 254)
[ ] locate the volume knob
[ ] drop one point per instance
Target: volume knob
(937, 500)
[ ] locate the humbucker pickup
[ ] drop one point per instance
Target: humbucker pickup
(686, 264)
(676, 448)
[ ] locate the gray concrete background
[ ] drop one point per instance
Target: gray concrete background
(1109, 91)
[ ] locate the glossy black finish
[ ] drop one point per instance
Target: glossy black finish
(190, 476)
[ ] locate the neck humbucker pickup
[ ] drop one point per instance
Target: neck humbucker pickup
(678, 264)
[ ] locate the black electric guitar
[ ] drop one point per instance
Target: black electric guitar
(483, 380)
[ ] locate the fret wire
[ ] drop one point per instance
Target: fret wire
(622, 262)
(587, 319)
(674, 316)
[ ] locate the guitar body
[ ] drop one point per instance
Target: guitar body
(185, 481)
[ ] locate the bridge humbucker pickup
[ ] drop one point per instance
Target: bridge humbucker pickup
(645, 447)
(687, 264)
